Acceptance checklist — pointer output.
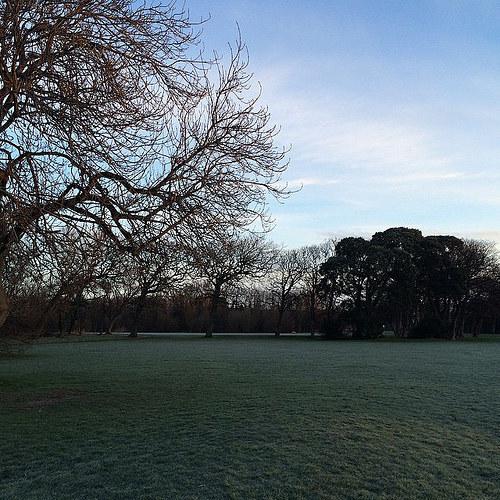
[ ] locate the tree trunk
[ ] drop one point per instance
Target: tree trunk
(312, 313)
(60, 324)
(139, 307)
(281, 313)
(135, 322)
(135, 326)
(116, 317)
(75, 309)
(477, 326)
(4, 306)
(214, 302)
(4, 300)
(112, 323)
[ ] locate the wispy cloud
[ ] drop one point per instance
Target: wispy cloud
(324, 136)
(425, 177)
(331, 130)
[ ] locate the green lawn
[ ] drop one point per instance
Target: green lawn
(251, 418)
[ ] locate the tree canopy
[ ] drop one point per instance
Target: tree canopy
(110, 116)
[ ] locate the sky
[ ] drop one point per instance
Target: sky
(391, 109)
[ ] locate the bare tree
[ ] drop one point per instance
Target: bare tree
(116, 291)
(16, 278)
(65, 266)
(479, 270)
(285, 279)
(158, 269)
(52, 273)
(313, 257)
(109, 117)
(226, 260)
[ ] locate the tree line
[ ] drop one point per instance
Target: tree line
(397, 281)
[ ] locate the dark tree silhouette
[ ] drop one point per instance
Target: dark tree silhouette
(403, 306)
(362, 271)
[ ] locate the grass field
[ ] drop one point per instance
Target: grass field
(251, 418)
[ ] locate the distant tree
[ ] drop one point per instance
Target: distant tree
(17, 279)
(461, 275)
(362, 273)
(284, 281)
(159, 269)
(52, 275)
(71, 266)
(404, 301)
(313, 257)
(483, 302)
(481, 268)
(443, 283)
(225, 260)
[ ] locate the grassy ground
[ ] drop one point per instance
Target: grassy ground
(251, 418)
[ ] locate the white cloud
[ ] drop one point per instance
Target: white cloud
(320, 136)
(330, 130)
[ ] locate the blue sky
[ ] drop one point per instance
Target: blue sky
(392, 109)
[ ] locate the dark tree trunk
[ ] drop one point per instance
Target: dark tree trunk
(116, 317)
(214, 302)
(281, 313)
(312, 314)
(135, 325)
(60, 324)
(137, 313)
(112, 323)
(477, 326)
(74, 312)
(4, 300)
